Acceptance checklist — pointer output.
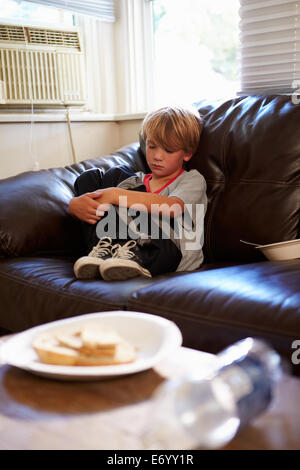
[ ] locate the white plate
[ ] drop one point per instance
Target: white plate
(154, 338)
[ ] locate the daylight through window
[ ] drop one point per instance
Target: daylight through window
(18, 11)
(195, 49)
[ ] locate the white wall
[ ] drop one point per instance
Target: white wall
(51, 146)
(129, 131)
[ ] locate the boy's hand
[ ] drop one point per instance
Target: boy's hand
(85, 207)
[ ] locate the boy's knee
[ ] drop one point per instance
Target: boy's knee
(88, 181)
(94, 179)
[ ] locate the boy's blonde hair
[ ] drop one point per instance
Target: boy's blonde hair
(173, 128)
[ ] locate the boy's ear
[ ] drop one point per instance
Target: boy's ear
(187, 157)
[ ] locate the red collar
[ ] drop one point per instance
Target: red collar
(148, 177)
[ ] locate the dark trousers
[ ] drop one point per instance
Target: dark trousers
(159, 255)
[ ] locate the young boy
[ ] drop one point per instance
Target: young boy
(171, 203)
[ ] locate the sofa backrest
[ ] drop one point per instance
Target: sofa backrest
(249, 154)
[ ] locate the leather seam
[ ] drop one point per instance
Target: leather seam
(248, 181)
(212, 321)
(208, 231)
(276, 183)
(223, 153)
(52, 290)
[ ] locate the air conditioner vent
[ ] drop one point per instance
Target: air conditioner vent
(10, 33)
(39, 36)
(50, 37)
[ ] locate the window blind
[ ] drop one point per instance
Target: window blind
(270, 46)
(102, 9)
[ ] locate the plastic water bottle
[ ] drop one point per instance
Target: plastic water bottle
(206, 413)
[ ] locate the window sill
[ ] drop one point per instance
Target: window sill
(74, 117)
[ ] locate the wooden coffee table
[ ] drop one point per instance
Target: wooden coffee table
(39, 413)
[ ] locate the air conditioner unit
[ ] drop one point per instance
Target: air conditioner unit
(39, 66)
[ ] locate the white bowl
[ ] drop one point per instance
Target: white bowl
(281, 251)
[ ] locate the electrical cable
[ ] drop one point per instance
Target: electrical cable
(70, 134)
(35, 162)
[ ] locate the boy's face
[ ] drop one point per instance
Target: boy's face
(165, 162)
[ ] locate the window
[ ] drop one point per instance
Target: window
(195, 49)
(26, 12)
(195, 43)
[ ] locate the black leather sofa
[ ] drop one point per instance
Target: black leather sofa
(250, 156)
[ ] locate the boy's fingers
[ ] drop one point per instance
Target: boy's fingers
(104, 207)
(94, 204)
(99, 212)
(93, 220)
(96, 210)
(95, 194)
(92, 216)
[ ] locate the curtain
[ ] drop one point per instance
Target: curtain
(103, 9)
(270, 46)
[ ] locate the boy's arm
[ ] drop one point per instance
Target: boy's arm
(150, 202)
(88, 206)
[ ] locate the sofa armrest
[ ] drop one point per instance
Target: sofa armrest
(34, 217)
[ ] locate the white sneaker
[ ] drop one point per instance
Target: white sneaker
(124, 263)
(87, 267)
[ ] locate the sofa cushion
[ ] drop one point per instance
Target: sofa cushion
(34, 216)
(216, 307)
(43, 289)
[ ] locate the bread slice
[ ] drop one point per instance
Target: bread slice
(66, 347)
(125, 353)
(51, 352)
(97, 337)
(71, 338)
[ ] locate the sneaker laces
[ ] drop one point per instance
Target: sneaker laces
(102, 248)
(123, 251)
